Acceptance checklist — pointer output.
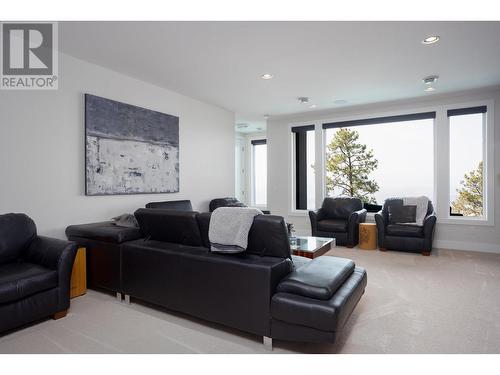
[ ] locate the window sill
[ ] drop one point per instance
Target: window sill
(466, 221)
(299, 213)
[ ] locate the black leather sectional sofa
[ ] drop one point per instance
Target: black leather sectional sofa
(264, 291)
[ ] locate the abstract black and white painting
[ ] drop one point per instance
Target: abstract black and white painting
(129, 150)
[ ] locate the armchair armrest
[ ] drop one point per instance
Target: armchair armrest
(57, 255)
(429, 225)
(381, 224)
(50, 252)
(315, 216)
(357, 217)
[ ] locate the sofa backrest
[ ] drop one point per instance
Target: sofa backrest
(16, 233)
(341, 208)
(180, 227)
(224, 202)
(268, 235)
(181, 205)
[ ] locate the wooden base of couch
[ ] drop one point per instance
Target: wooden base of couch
(60, 314)
(426, 253)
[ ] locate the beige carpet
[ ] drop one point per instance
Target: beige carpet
(446, 303)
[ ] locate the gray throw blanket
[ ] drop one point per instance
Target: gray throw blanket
(126, 220)
(229, 227)
(422, 203)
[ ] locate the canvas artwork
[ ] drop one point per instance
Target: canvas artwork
(129, 150)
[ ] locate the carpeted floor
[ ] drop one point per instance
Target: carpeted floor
(446, 303)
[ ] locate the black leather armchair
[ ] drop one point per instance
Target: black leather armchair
(411, 238)
(35, 273)
(338, 218)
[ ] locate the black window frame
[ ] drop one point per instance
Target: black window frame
(301, 165)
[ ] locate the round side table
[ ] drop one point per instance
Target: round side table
(368, 236)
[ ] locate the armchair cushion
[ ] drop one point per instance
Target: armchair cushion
(332, 225)
(404, 230)
(16, 233)
(20, 280)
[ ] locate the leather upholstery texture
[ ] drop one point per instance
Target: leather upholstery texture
(224, 202)
(173, 267)
(20, 280)
(404, 237)
(37, 283)
(105, 231)
(268, 235)
(324, 315)
(181, 205)
(338, 218)
(16, 232)
(234, 290)
(180, 227)
(318, 279)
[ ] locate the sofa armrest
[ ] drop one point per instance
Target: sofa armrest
(57, 255)
(381, 224)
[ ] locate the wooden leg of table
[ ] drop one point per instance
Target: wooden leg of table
(60, 314)
(79, 274)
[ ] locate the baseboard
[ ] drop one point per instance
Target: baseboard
(468, 246)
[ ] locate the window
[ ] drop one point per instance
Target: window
(259, 172)
(467, 155)
(374, 159)
(305, 184)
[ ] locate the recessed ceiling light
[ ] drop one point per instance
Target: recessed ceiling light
(430, 89)
(266, 76)
(339, 101)
(266, 117)
(313, 106)
(430, 80)
(242, 126)
(259, 128)
(303, 99)
(431, 39)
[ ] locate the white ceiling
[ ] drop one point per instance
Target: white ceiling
(361, 62)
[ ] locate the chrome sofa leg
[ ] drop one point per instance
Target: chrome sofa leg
(268, 343)
(119, 296)
(127, 299)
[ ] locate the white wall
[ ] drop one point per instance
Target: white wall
(453, 236)
(42, 148)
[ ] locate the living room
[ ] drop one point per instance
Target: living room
(323, 187)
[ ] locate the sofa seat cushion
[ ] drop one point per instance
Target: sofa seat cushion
(325, 315)
(332, 225)
(318, 279)
(405, 230)
(20, 280)
(105, 231)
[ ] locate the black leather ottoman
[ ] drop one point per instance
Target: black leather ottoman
(314, 302)
(103, 242)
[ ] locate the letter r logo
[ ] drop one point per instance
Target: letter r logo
(27, 49)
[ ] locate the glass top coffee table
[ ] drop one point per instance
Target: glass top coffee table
(311, 247)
